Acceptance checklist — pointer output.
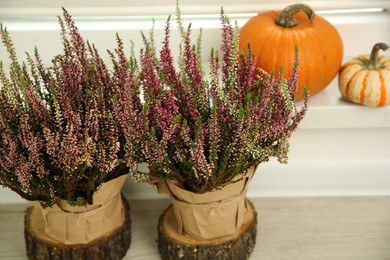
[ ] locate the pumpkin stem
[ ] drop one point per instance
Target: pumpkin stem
(286, 17)
(373, 63)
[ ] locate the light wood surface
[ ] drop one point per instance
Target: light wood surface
(321, 228)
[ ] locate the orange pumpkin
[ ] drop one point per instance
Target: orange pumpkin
(273, 35)
(366, 78)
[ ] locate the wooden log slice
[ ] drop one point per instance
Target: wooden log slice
(40, 246)
(173, 245)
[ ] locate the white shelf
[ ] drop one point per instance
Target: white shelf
(327, 110)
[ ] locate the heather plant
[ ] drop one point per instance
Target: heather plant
(58, 132)
(202, 130)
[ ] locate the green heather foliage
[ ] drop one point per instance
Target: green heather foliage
(202, 130)
(58, 132)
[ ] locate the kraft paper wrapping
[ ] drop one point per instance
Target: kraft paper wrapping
(212, 214)
(73, 225)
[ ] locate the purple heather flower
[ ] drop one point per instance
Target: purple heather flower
(203, 133)
(60, 137)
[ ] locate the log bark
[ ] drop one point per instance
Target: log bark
(173, 246)
(40, 246)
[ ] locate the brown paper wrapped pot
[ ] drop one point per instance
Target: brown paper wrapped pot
(212, 214)
(221, 224)
(63, 231)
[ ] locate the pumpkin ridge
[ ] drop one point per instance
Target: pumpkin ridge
(382, 100)
(288, 56)
(317, 57)
(265, 41)
(348, 86)
(278, 42)
(329, 34)
(244, 38)
(347, 65)
(364, 87)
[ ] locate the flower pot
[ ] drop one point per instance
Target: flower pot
(220, 224)
(97, 231)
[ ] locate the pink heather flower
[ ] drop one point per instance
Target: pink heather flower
(202, 133)
(23, 174)
(60, 137)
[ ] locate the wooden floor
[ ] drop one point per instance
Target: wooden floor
(323, 228)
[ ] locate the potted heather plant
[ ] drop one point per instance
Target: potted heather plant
(61, 147)
(203, 135)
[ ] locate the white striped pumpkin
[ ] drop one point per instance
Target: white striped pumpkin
(366, 79)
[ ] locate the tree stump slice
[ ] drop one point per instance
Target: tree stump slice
(173, 245)
(40, 246)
